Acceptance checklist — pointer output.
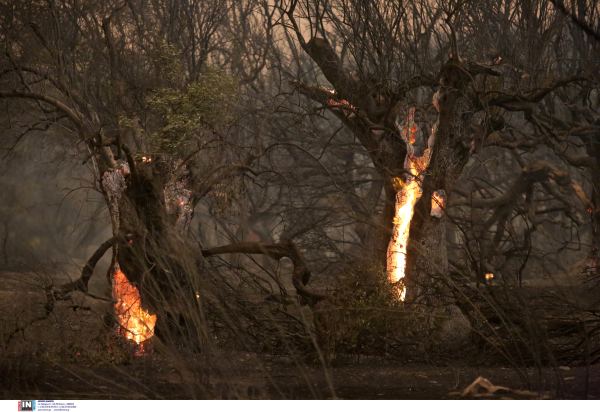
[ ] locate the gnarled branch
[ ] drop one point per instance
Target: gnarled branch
(62, 292)
(532, 173)
(81, 284)
(287, 248)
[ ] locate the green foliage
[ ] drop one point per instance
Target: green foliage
(187, 114)
(167, 59)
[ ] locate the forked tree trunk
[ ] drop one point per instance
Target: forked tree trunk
(427, 275)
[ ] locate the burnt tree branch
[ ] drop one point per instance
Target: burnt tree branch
(581, 23)
(81, 284)
(301, 274)
(532, 173)
(62, 291)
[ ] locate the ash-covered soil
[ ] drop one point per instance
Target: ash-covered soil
(65, 357)
(248, 376)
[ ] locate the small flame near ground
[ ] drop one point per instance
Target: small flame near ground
(135, 323)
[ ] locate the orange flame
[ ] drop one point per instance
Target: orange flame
(135, 323)
(408, 193)
(407, 196)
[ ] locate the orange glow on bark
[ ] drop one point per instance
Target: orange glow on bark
(438, 203)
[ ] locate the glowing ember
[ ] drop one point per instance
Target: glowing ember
(438, 203)
(134, 322)
(178, 198)
(347, 108)
(489, 276)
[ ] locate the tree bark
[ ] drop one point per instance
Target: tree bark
(427, 262)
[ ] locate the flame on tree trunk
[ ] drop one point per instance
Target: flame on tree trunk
(135, 323)
(409, 192)
(145, 209)
(427, 272)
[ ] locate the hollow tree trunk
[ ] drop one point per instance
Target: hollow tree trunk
(159, 260)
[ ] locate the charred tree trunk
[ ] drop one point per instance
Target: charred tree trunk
(427, 262)
(386, 223)
(160, 260)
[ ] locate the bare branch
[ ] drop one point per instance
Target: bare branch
(301, 274)
(532, 173)
(81, 284)
(582, 24)
(71, 114)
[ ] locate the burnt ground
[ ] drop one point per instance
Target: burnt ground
(42, 362)
(270, 377)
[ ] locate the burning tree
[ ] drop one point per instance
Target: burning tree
(148, 96)
(146, 109)
(381, 61)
